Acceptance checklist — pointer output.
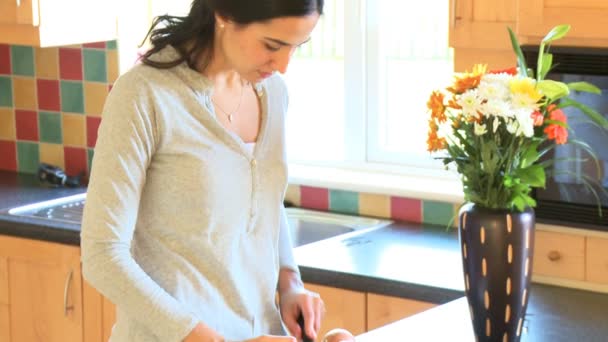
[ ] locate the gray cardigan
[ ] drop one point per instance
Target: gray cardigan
(182, 222)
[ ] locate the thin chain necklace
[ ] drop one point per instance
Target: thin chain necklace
(230, 115)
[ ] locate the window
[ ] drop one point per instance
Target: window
(358, 89)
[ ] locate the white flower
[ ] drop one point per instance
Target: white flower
(480, 129)
(494, 87)
(470, 103)
(526, 122)
(497, 107)
(495, 124)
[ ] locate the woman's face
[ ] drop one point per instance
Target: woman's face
(257, 50)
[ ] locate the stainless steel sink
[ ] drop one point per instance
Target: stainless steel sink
(307, 226)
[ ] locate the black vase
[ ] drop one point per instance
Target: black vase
(497, 247)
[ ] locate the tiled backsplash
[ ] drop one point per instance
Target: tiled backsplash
(50, 104)
(376, 205)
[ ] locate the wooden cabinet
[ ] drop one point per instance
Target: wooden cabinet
(588, 18)
(41, 291)
(478, 33)
(597, 260)
(559, 255)
(99, 314)
(382, 310)
(345, 309)
(56, 22)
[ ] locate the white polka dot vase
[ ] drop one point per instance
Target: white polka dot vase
(497, 247)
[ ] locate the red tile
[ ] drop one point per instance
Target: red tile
(48, 95)
(70, 64)
(27, 124)
(8, 153)
(406, 209)
(92, 127)
(97, 45)
(75, 160)
(5, 59)
(314, 198)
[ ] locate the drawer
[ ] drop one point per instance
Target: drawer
(559, 255)
(597, 260)
(3, 281)
(5, 323)
(382, 310)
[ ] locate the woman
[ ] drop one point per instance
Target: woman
(184, 227)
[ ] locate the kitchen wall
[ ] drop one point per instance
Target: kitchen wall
(50, 104)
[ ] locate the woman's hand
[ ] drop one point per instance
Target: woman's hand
(268, 338)
(295, 300)
(202, 333)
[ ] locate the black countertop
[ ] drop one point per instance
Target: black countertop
(405, 260)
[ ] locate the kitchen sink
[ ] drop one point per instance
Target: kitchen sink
(307, 226)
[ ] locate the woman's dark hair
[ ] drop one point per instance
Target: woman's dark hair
(193, 35)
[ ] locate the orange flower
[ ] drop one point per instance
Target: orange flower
(468, 80)
(510, 71)
(538, 118)
(435, 104)
(434, 142)
(554, 131)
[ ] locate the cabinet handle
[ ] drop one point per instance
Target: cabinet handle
(18, 3)
(66, 290)
(554, 255)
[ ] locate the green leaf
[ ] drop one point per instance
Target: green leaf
(585, 87)
(521, 60)
(558, 32)
(545, 66)
(553, 89)
(530, 155)
(533, 175)
(593, 115)
(519, 202)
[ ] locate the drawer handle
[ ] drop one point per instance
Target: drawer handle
(554, 255)
(18, 3)
(66, 290)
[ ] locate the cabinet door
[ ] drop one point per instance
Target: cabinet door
(345, 309)
(5, 332)
(597, 260)
(45, 295)
(559, 255)
(588, 18)
(382, 310)
(481, 24)
(19, 12)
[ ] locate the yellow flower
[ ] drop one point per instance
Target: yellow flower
(524, 89)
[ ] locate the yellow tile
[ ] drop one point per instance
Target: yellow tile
(293, 194)
(375, 205)
(112, 63)
(52, 154)
(74, 130)
(8, 130)
(94, 97)
(47, 63)
(25, 93)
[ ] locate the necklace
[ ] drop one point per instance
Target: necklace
(230, 115)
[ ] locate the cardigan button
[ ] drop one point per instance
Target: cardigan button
(254, 163)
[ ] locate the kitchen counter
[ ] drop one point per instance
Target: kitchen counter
(405, 260)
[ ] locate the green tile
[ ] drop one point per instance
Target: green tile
(90, 154)
(95, 65)
(28, 157)
(111, 45)
(344, 201)
(72, 97)
(439, 213)
(50, 127)
(23, 60)
(6, 91)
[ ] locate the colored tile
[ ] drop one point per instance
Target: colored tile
(406, 209)
(439, 213)
(111, 45)
(24, 92)
(52, 154)
(50, 127)
(22, 58)
(70, 64)
(344, 201)
(292, 194)
(28, 157)
(6, 91)
(48, 95)
(47, 63)
(94, 97)
(8, 130)
(27, 124)
(75, 160)
(314, 198)
(95, 68)
(72, 97)
(96, 45)
(375, 205)
(112, 61)
(8, 151)
(92, 127)
(74, 130)
(90, 155)
(5, 59)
